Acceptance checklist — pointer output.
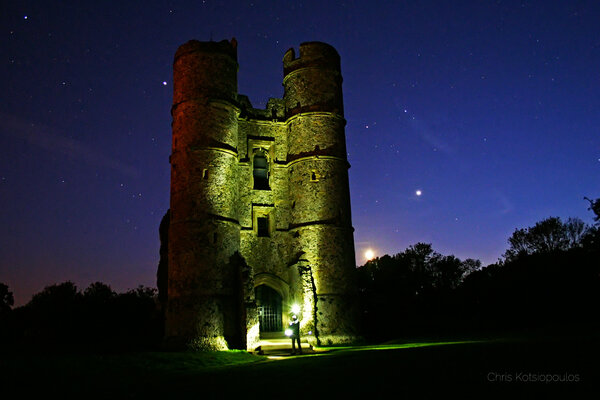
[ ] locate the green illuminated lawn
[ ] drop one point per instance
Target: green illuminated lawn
(393, 346)
(351, 372)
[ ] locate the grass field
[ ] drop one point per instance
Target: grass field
(422, 369)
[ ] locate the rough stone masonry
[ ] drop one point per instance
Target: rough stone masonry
(259, 217)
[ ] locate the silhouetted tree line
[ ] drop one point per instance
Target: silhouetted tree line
(548, 278)
(61, 317)
(410, 292)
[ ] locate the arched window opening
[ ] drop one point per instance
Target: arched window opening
(261, 171)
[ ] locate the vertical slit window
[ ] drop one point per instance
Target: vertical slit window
(262, 226)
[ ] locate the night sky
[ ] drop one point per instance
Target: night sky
(490, 109)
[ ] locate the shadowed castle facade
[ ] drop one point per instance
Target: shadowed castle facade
(260, 207)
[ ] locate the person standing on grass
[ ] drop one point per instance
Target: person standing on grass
(295, 327)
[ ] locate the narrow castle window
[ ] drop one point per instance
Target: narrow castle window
(204, 173)
(262, 226)
(261, 171)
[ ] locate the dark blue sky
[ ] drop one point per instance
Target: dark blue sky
(490, 108)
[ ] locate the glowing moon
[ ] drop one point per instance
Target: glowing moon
(418, 192)
(369, 254)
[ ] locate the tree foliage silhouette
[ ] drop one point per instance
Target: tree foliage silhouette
(6, 299)
(97, 319)
(162, 273)
(408, 289)
(595, 208)
(550, 277)
(546, 236)
(6, 303)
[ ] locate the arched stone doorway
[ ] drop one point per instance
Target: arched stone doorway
(273, 291)
(269, 303)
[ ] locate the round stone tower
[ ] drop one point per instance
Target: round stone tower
(203, 307)
(319, 191)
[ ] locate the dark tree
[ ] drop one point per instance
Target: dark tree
(61, 318)
(6, 299)
(97, 317)
(470, 265)
(547, 236)
(576, 230)
(412, 290)
(450, 271)
(559, 290)
(550, 277)
(137, 320)
(53, 315)
(595, 208)
(98, 293)
(56, 297)
(162, 273)
(6, 314)
(592, 240)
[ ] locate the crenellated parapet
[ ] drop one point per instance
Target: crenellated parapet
(313, 81)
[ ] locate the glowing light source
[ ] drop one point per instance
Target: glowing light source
(369, 254)
(418, 192)
(289, 332)
(296, 309)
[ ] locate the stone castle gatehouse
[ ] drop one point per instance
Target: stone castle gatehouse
(259, 217)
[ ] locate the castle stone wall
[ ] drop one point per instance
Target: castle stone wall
(217, 256)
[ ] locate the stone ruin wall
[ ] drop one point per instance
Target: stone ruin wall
(215, 258)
